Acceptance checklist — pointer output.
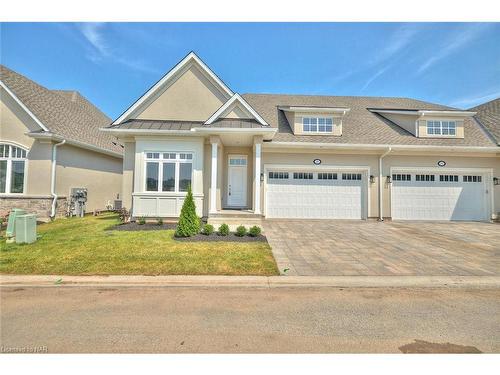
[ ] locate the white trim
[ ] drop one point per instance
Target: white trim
(258, 157)
(381, 147)
(168, 77)
(443, 170)
(229, 166)
(18, 101)
(87, 146)
(236, 130)
(422, 113)
(213, 181)
(366, 170)
(243, 102)
(341, 110)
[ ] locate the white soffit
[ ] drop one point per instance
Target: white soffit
(422, 113)
(341, 110)
(172, 75)
(236, 98)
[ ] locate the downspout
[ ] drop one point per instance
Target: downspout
(381, 185)
(53, 177)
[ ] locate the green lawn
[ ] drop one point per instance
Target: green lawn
(86, 246)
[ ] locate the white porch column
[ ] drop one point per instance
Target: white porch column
(213, 180)
(257, 161)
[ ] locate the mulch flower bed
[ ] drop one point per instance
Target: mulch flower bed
(215, 237)
(133, 226)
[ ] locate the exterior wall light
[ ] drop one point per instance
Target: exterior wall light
(389, 179)
(372, 179)
(262, 177)
(496, 181)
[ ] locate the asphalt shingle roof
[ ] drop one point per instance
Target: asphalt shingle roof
(489, 116)
(360, 125)
(64, 113)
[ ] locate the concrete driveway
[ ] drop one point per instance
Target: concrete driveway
(368, 248)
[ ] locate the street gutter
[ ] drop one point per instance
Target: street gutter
(252, 281)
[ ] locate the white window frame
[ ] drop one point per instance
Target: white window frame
(163, 160)
(440, 127)
(317, 118)
(10, 158)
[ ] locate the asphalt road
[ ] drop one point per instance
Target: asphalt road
(249, 320)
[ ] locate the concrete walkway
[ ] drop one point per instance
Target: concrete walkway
(252, 281)
(371, 248)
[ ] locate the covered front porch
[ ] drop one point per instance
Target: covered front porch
(233, 175)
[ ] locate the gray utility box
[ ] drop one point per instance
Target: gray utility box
(11, 225)
(26, 228)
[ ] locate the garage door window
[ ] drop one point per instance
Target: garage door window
(302, 176)
(278, 175)
(424, 177)
(351, 176)
(401, 177)
(448, 178)
(327, 176)
(472, 178)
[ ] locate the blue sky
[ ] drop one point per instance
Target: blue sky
(112, 64)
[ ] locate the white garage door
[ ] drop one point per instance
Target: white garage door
(313, 195)
(439, 196)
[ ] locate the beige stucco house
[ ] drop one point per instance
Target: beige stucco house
(301, 156)
(50, 143)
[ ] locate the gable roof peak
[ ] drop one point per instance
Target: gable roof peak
(170, 76)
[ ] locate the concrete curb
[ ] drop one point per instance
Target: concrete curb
(252, 281)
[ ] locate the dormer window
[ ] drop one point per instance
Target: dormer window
(317, 124)
(441, 127)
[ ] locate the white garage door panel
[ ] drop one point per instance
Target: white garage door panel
(314, 199)
(435, 200)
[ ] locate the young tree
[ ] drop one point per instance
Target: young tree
(189, 222)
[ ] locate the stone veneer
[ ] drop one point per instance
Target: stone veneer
(39, 205)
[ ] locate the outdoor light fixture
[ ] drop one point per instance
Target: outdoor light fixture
(372, 179)
(262, 177)
(389, 179)
(495, 181)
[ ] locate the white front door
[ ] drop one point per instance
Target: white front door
(237, 181)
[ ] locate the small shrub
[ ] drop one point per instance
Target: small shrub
(124, 215)
(207, 230)
(241, 231)
(189, 223)
(141, 221)
(223, 230)
(159, 221)
(254, 231)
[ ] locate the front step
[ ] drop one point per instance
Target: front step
(235, 221)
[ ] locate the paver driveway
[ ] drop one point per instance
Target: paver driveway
(337, 247)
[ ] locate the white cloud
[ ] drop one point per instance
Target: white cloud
(94, 33)
(455, 43)
(473, 100)
(374, 77)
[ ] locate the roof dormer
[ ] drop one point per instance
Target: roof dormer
(428, 123)
(315, 120)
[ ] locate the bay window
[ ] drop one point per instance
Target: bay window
(168, 171)
(12, 169)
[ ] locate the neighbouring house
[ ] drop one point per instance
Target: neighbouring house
(50, 143)
(488, 114)
(301, 156)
